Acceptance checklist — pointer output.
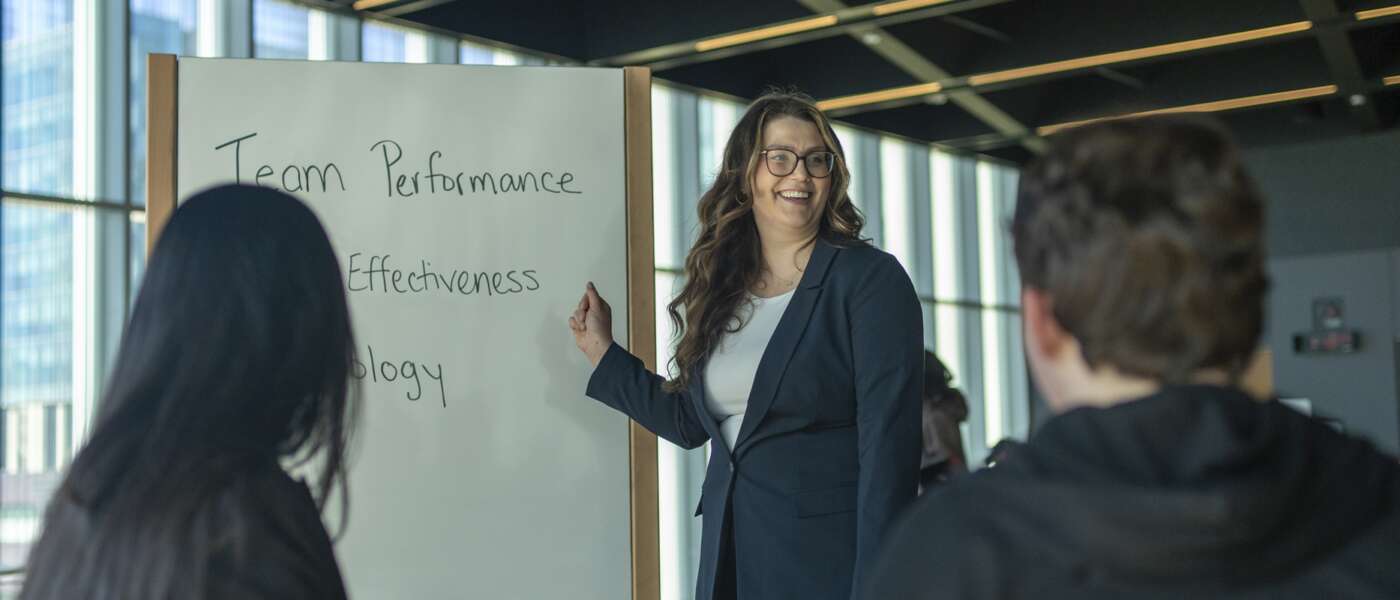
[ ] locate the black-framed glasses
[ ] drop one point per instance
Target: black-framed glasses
(782, 163)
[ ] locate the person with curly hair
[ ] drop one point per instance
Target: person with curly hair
(799, 359)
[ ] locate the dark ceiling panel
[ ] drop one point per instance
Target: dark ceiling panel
(599, 29)
(1038, 32)
(1378, 48)
(1291, 123)
(1013, 154)
(1356, 5)
(926, 122)
(1245, 71)
(947, 45)
(618, 26)
(1387, 104)
(824, 68)
(545, 25)
(1005, 35)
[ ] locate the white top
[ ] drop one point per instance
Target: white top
(730, 373)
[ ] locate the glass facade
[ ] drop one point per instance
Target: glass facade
(37, 294)
(281, 30)
(157, 27)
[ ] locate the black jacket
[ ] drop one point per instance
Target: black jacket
(828, 452)
(268, 543)
(1194, 492)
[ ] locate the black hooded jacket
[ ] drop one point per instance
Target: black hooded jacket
(1194, 492)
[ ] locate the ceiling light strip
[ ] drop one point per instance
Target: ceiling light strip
(898, 93)
(899, 6)
(1377, 13)
(1137, 54)
(368, 4)
(764, 33)
(1392, 80)
(1217, 106)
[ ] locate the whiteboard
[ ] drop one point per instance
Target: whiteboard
(468, 206)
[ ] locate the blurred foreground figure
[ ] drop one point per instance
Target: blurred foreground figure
(237, 360)
(1141, 248)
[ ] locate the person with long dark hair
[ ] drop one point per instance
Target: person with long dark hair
(237, 362)
(1141, 248)
(799, 359)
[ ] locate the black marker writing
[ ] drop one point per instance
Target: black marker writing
(402, 183)
(407, 371)
(295, 178)
(374, 273)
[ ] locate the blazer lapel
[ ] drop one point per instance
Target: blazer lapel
(784, 341)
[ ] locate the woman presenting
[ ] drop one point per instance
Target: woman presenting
(799, 355)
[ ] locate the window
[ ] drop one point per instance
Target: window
(38, 96)
(471, 53)
(896, 201)
(976, 296)
(384, 43)
(4, 443)
(281, 30)
(64, 267)
(475, 54)
(677, 468)
(50, 438)
(157, 27)
(36, 253)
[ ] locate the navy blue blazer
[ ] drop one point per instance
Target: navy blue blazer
(828, 452)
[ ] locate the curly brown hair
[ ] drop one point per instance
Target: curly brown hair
(1147, 235)
(726, 260)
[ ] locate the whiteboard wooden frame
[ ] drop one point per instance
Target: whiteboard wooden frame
(162, 129)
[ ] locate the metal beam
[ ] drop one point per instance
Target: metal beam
(922, 69)
(979, 143)
(977, 28)
(824, 24)
(1122, 78)
(1342, 62)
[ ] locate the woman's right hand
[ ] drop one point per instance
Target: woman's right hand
(592, 325)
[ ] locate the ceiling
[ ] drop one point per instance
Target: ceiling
(987, 76)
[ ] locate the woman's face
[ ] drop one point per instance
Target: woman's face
(790, 206)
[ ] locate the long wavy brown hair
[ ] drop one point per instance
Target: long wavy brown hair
(727, 259)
